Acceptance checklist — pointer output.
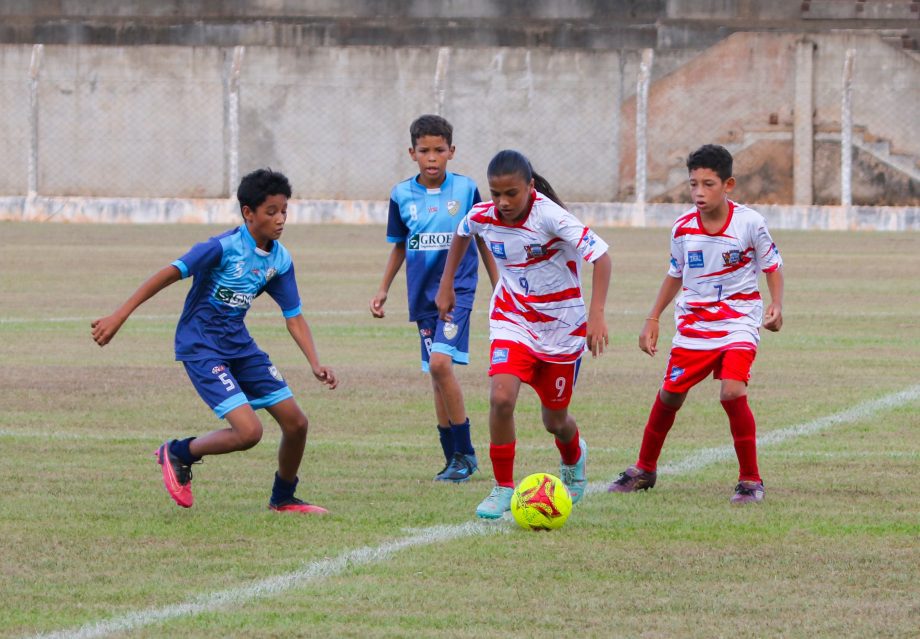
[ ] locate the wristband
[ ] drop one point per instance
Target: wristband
(654, 319)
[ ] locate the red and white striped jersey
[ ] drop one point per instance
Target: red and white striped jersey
(538, 301)
(720, 305)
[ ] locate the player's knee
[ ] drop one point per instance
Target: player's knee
(440, 367)
(296, 426)
(502, 402)
(250, 436)
(674, 400)
(732, 393)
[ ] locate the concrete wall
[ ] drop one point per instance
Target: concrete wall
(225, 211)
(150, 121)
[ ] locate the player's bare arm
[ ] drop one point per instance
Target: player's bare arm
(394, 263)
(773, 316)
(648, 337)
(597, 336)
(488, 261)
(105, 328)
(446, 298)
(300, 331)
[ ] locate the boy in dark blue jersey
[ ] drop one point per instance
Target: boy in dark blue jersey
(232, 375)
(422, 219)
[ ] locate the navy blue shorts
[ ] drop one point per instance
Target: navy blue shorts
(225, 384)
(449, 338)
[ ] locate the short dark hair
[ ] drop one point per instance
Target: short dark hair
(712, 156)
(431, 125)
(255, 187)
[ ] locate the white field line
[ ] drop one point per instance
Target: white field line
(318, 570)
(860, 411)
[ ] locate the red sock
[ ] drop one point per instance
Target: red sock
(659, 423)
(570, 451)
(741, 421)
(502, 456)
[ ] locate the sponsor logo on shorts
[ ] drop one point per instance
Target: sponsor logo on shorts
(731, 257)
(220, 368)
(274, 373)
(232, 298)
(500, 356)
(676, 372)
(695, 259)
(498, 250)
(450, 330)
(430, 241)
(425, 332)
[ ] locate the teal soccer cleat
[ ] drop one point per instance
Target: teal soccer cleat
(575, 476)
(496, 504)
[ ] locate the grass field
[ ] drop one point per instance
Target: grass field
(91, 545)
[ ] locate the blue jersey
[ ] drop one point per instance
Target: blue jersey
(425, 219)
(230, 271)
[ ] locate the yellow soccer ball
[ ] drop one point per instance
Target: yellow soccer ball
(541, 502)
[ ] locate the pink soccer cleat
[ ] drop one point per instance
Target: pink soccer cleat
(177, 477)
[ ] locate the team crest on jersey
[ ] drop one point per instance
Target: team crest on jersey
(731, 257)
(453, 206)
(498, 250)
(220, 368)
(535, 250)
(274, 373)
(500, 356)
(238, 269)
(450, 330)
(270, 273)
(695, 259)
(413, 212)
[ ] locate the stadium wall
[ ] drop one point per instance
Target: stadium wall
(616, 214)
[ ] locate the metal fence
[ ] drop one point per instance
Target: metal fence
(816, 120)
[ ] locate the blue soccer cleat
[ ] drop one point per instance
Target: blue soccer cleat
(460, 468)
(575, 477)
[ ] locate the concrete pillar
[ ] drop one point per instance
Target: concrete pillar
(803, 124)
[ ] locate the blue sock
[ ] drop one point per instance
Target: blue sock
(282, 490)
(462, 442)
(447, 442)
(179, 448)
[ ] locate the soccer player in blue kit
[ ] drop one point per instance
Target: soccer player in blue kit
(229, 371)
(424, 211)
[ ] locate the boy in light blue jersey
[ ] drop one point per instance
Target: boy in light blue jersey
(229, 371)
(424, 212)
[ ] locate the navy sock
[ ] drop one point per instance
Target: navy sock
(282, 490)
(447, 442)
(462, 442)
(179, 448)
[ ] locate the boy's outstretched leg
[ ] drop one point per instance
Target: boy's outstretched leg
(294, 426)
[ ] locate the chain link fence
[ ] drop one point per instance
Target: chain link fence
(602, 126)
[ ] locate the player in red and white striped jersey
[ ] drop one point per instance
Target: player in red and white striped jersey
(538, 322)
(718, 250)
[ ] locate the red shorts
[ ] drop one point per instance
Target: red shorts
(553, 381)
(687, 368)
